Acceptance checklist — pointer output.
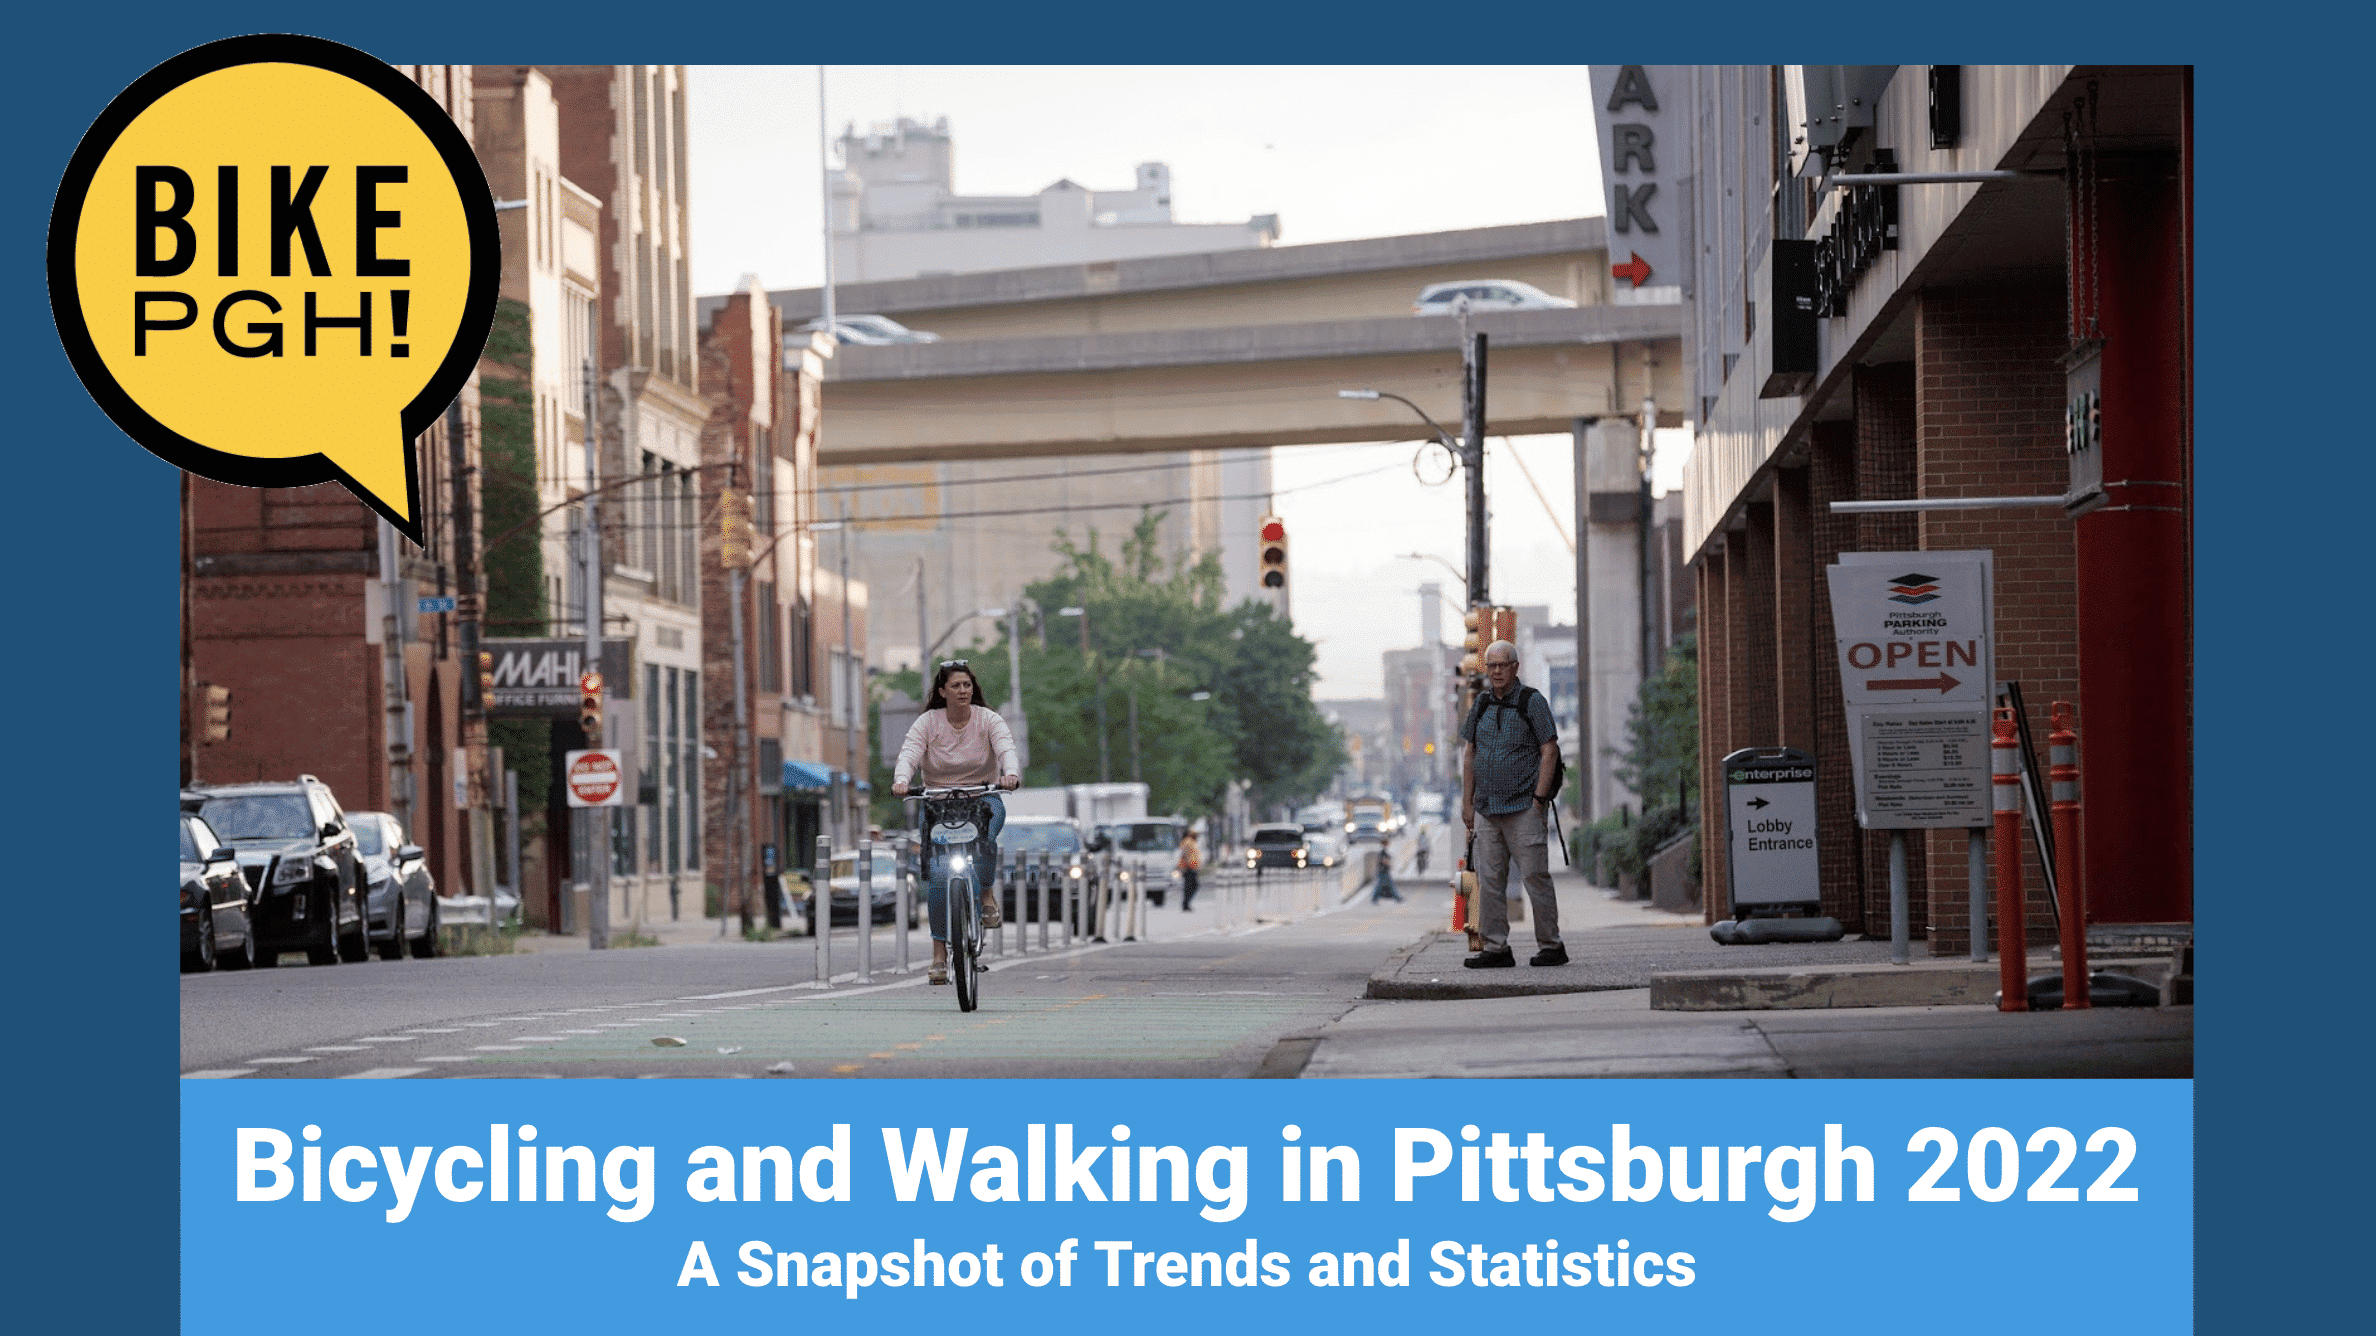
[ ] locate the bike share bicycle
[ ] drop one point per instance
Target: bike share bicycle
(957, 853)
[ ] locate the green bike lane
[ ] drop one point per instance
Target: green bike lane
(1196, 999)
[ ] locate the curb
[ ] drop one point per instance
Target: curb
(1429, 970)
(1926, 983)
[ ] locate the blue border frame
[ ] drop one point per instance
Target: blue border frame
(94, 684)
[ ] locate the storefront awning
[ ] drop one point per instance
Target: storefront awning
(807, 776)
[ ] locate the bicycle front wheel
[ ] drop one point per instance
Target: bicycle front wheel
(965, 917)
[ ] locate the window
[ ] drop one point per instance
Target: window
(771, 664)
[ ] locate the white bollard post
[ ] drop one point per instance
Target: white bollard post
(821, 896)
(866, 911)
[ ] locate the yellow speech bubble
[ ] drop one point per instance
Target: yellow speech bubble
(273, 261)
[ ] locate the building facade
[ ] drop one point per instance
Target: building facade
(774, 599)
(302, 603)
(2006, 360)
(896, 214)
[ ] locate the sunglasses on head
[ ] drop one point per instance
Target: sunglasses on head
(955, 663)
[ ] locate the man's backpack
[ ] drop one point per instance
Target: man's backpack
(1485, 698)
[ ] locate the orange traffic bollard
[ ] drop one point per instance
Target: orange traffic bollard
(2012, 944)
(2064, 779)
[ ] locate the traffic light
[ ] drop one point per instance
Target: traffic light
(1505, 626)
(486, 674)
(590, 708)
(734, 529)
(1475, 636)
(214, 712)
(1273, 565)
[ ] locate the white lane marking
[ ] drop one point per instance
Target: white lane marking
(337, 1048)
(280, 1061)
(581, 1032)
(616, 1025)
(385, 1073)
(536, 1039)
(482, 1025)
(433, 1032)
(385, 1039)
(223, 1075)
(496, 1048)
(450, 1057)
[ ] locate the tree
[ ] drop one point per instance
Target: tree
(1162, 633)
(507, 497)
(1661, 752)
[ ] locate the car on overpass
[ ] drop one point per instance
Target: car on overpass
(1485, 294)
(870, 330)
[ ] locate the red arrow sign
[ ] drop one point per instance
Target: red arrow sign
(1942, 683)
(1638, 270)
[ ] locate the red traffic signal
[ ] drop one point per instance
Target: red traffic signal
(1272, 565)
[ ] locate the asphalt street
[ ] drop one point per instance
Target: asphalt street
(1233, 989)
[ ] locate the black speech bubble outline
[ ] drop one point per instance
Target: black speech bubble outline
(478, 304)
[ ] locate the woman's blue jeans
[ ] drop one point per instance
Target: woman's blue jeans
(936, 874)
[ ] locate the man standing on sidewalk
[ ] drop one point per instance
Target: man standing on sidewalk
(1508, 757)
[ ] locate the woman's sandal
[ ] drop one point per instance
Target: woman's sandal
(991, 918)
(936, 974)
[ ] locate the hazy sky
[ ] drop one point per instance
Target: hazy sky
(1337, 152)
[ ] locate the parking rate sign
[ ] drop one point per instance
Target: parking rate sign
(1917, 669)
(594, 778)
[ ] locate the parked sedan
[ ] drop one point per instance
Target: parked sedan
(400, 895)
(1485, 294)
(884, 889)
(214, 902)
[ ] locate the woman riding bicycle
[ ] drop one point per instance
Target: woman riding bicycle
(956, 741)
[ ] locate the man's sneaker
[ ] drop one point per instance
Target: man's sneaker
(1554, 954)
(1491, 960)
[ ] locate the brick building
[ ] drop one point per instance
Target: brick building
(781, 772)
(1948, 328)
(300, 601)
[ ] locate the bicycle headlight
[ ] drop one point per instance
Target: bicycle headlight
(957, 862)
(1077, 872)
(292, 870)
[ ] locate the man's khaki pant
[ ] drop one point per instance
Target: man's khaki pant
(1510, 842)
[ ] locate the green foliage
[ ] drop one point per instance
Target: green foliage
(1623, 845)
(528, 748)
(1259, 723)
(507, 493)
(508, 342)
(1660, 759)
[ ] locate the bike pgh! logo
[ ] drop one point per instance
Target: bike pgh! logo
(1914, 590)
(273, 262)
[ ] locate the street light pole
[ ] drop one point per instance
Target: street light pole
(594, 821)
(1104, 770)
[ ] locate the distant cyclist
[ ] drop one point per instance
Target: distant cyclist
(955, 741)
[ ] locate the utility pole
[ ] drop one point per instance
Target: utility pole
(1016, 722)
(468, 608)
(851, 680)
(594, 822)
(1472, 412)
(734, 552)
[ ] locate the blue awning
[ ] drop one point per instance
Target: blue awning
(808, 776)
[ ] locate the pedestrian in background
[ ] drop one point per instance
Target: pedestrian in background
(1189, 863)
(1383, 887)
(1509, 758)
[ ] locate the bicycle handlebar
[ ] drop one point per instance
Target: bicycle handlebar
(954, 791)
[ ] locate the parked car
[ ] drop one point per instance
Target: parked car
(399, 892)
(215, 927)
(1067, 862)
(1485, 294)
(843, 882)
(1277, 846)
(870, 330)
(297, 851)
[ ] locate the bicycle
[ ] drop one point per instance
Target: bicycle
(957, 831)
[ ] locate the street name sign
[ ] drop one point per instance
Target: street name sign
(434, 603)
(1917, 666)
(594, 778)
(1769, 805)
